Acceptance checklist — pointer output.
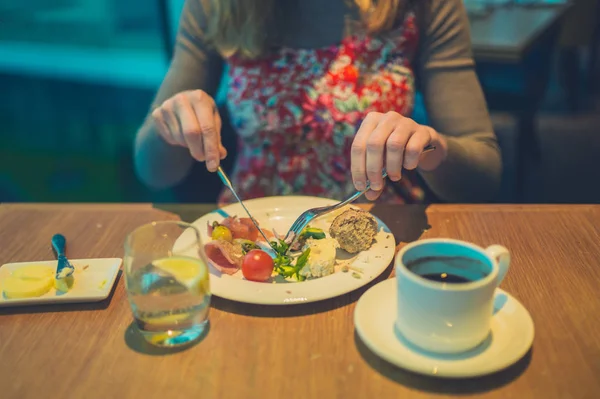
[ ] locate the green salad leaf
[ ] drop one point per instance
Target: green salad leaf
(312, 232)
(283, 263)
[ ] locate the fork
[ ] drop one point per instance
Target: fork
(307, 216)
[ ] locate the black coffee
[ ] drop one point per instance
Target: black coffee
(445, 278)
(449, 269)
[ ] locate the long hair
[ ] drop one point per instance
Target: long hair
(241, 26)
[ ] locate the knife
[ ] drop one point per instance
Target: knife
(227, 183)
(64, 268)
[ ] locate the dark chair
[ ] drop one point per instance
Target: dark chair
(580, 29)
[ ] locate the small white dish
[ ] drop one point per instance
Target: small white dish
(511, 337)
(94, 279)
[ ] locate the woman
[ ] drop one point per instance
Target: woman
(320, 93)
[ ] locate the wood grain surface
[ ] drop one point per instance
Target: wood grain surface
(304, 351)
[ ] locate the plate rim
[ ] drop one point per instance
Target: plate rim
(295, 299)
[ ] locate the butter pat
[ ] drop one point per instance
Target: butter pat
(28, 282)
(63, 282)
(33, 272)
(64, 272)
(63, 285)
(14, 287)
(35, 280)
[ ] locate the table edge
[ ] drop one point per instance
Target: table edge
(116, 207)
(514, 54)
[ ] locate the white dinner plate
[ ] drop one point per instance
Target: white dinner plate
(511, 336)
(93, 281)
(279, 213)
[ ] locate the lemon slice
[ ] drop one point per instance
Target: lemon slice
(191, 272)
(15, 287)
(158, 339)
(169, 319)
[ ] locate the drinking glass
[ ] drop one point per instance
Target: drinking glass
(167, 282)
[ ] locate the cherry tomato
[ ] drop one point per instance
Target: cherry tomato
(221, 233)
(257, 266)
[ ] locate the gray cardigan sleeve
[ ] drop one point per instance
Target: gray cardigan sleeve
(456, 107)
(194, 66)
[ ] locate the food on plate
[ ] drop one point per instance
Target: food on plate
(247, 245)
(235, 246)
(238, 227)
(354, 230)
(285, 265)
(64, 284)
(14, 287)
(28, 282)
(63, 281)
(65, 271)
(33, 272)
(36, 280)
(257, 266)
(308, 232)
(221, 233)
(321, 259)
(224, 256)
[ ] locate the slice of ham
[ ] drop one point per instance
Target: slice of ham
(224, 256)
(253, 231)
(241, 229)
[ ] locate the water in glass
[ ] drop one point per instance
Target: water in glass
(168, 291)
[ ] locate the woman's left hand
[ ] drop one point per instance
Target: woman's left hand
(393, 142)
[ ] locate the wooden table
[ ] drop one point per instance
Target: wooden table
(306, 351)
(513, 47)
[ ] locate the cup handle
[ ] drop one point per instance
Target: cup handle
(502, 256)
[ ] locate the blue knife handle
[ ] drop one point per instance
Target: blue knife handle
(58, 243)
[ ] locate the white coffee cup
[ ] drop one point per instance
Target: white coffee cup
(446, 317)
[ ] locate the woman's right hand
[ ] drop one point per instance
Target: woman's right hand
(190, 119)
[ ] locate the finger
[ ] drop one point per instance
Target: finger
(210, 136)
(359, 150)
(219, 123)
(222, 152)
(376, 149)
(190, 128)
(170, 118)
(394, 148)
(196, 146)
(414, 148)
(191, 134)
(372, 195)
(161, 126)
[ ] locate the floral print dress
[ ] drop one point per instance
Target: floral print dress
(296, 113)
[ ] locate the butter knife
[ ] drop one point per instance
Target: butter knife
(225, 179)
(64, 268)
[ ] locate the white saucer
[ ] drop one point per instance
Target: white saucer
(510, 339)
